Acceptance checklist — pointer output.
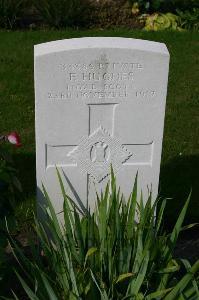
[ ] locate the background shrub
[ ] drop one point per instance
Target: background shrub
(180, 4)
(62, 13)
(90, 13)
(107, 14)
(10, 11)
(189, 19)
(166, 5)
(159, 21)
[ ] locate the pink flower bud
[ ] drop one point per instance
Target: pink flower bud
(14, 138)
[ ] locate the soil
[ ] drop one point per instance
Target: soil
(188, 246)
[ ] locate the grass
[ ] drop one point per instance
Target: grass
(180, 157)
(106, 255)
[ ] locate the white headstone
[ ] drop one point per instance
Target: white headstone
(99, 101)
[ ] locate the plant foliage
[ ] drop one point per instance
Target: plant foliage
(10, 186)
(62, 13)
(165, 5)
(10, 10)
(157, 22)
(10, 191)
(106, 254)
(189, 19)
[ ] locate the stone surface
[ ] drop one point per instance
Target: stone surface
(99, 101)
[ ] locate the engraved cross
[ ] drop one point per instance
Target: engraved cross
(96, 152)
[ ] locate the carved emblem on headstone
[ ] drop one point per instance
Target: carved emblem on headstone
(100, 153)
(97, 152)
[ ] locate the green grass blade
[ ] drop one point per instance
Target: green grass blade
(52, 213)
(90, 252)
(28, 291)
(181, 285)
(71, 271)
(177, 229)
(49, 289)
(168, 252)
(79, 236)
(122, 277)
(15, 296)
(194, 283)
(132, 209)
(158, 295)
(137, 283)
(171, 268)
(67, 209)
(103, 293)
(160, 215)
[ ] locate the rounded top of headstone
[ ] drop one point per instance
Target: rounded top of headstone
(100, 42)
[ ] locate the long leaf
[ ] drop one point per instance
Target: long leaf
(167, 254)
(177, 229)
(137, 283)
(49, 289)
(158, 295)
(103, 293)
(132, 208)
(194, 283)
(52, 212)
(181, 285)
(28, 291)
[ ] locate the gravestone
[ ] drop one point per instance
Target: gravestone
(99, 102)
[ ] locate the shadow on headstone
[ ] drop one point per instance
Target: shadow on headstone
(177, 178)
(75, 194)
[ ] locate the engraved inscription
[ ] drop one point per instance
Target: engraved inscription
(98, 80)
(102, 66)
(88, 95)
(146, 93)
(100, 76)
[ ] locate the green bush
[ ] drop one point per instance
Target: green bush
(10, 11)
(159, 21)
(182, 4)
(62, 13)
(165, 5)
(107, 255)
(189, 19)
(108, 14)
